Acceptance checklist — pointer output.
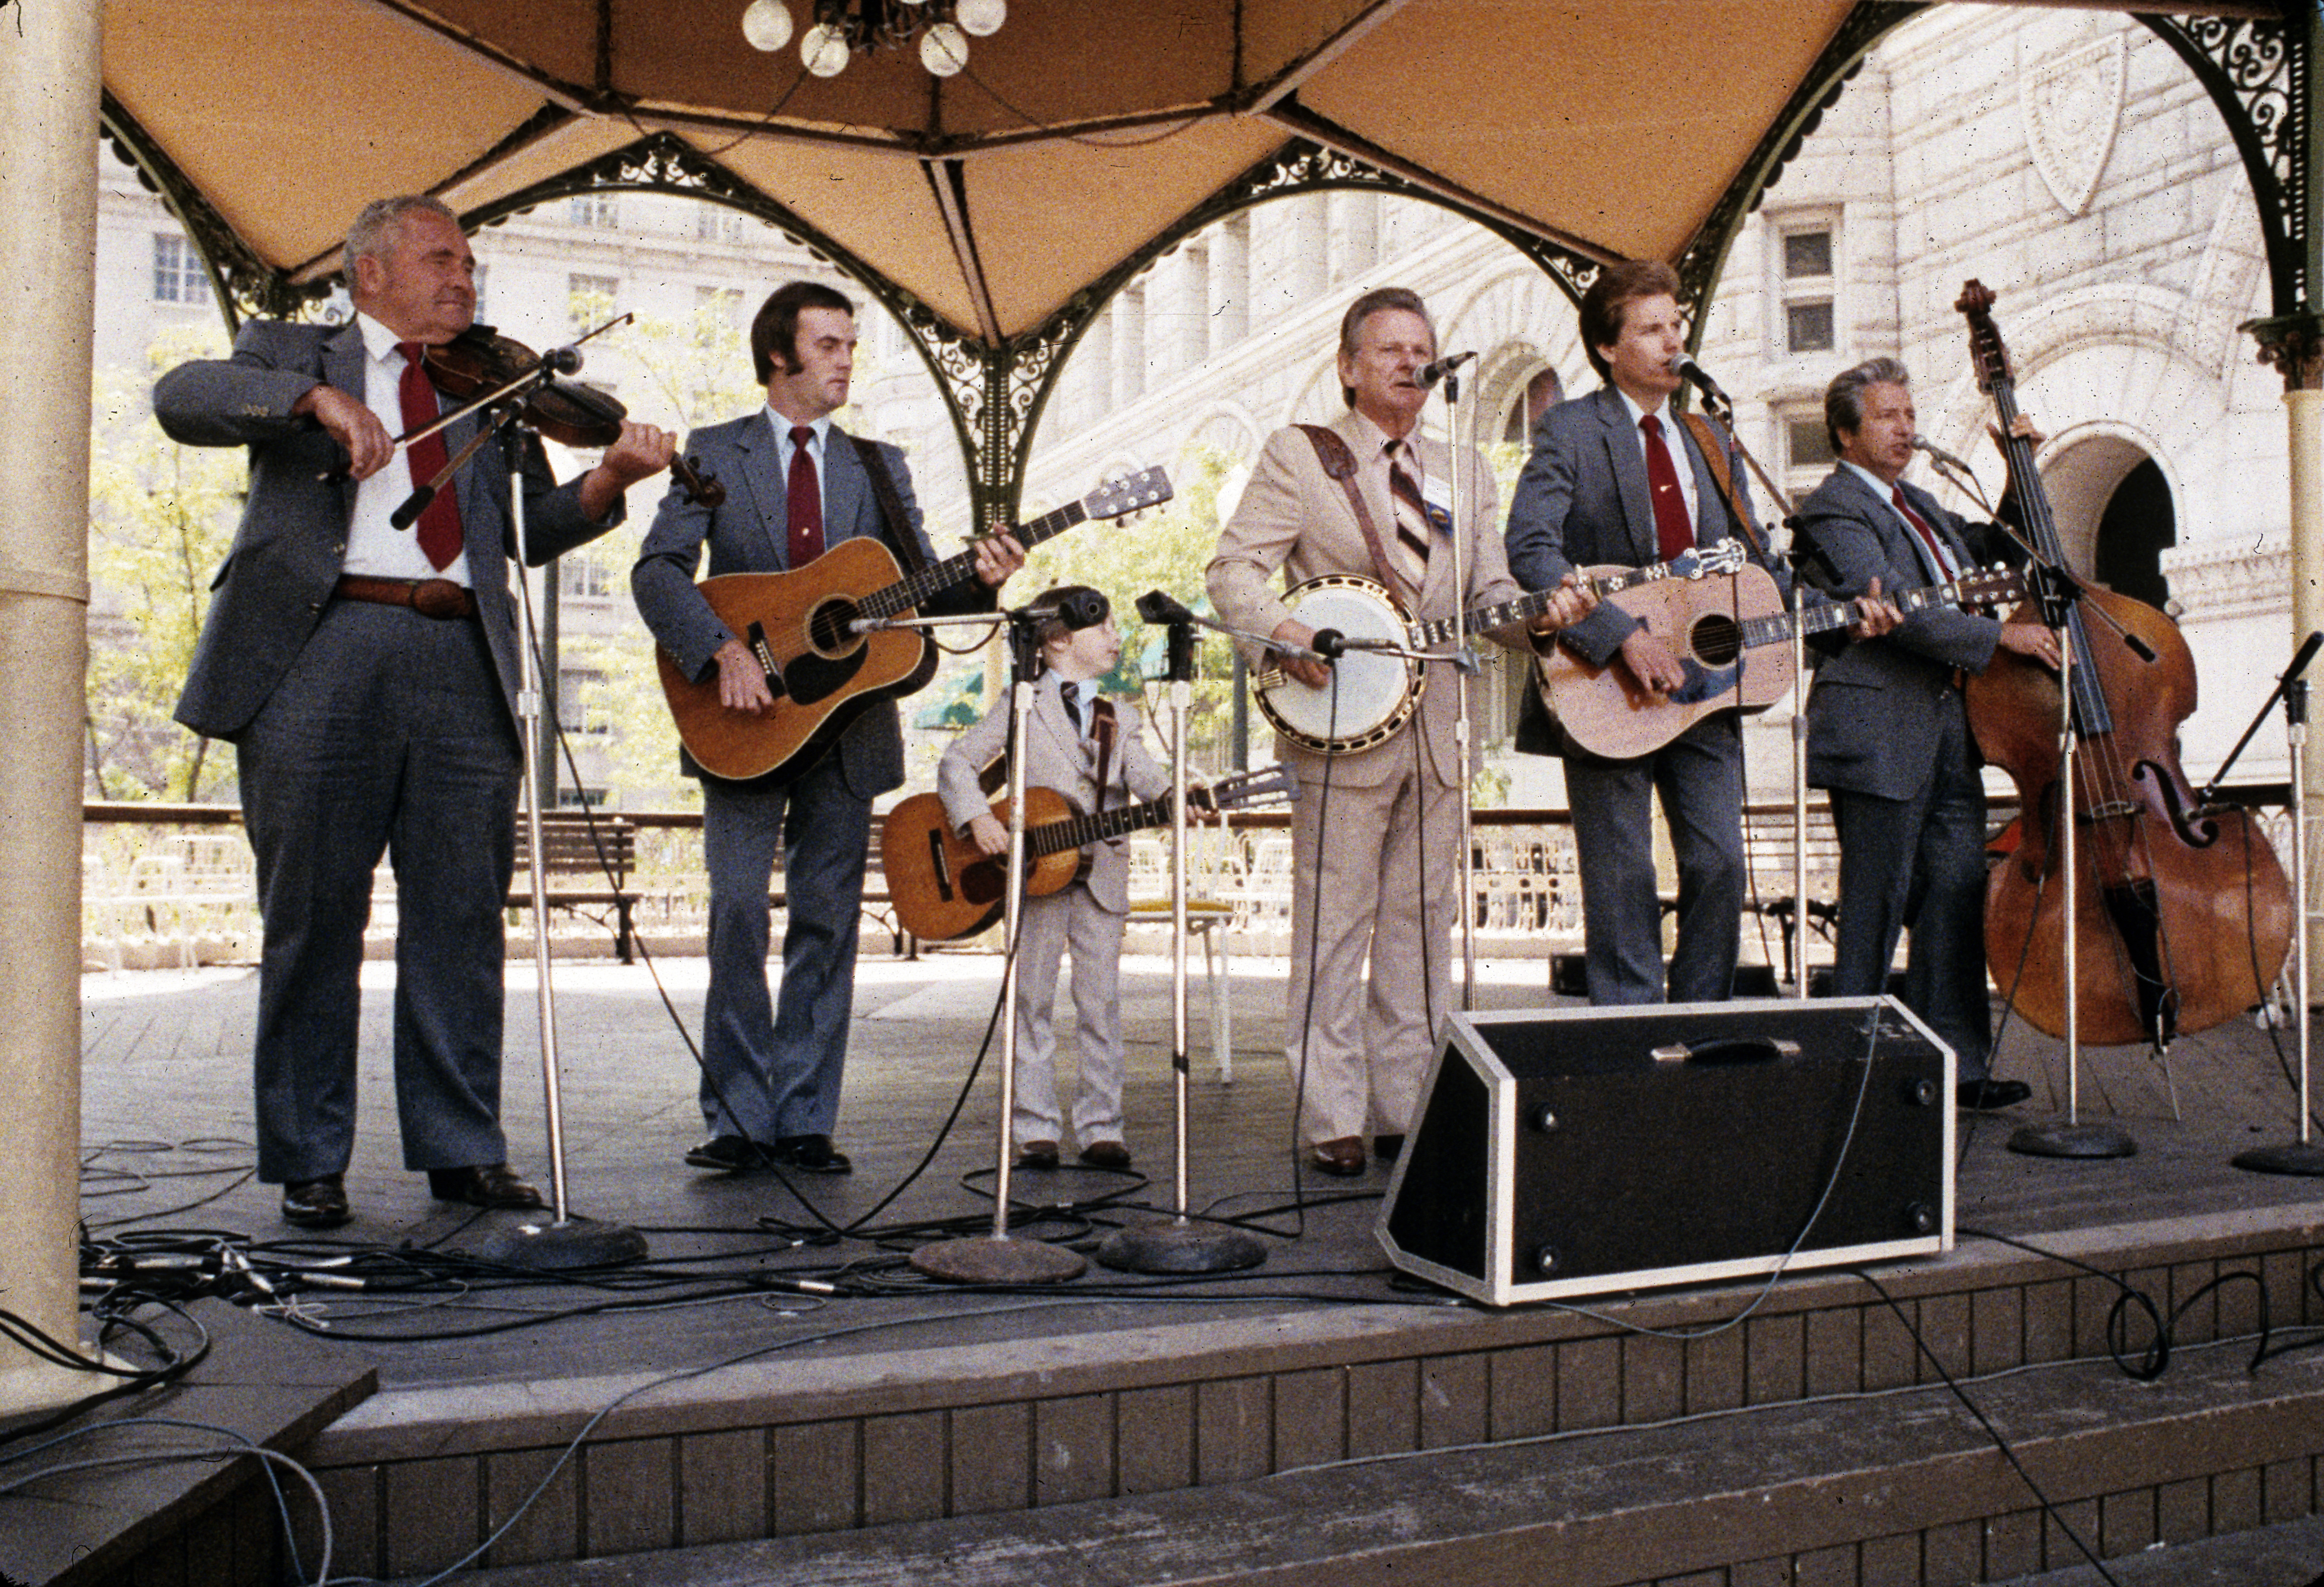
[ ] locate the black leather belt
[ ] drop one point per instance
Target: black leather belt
(430, 597)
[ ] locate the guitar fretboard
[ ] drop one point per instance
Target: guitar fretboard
(1440, 630)
(1075, 831)
(910, 591)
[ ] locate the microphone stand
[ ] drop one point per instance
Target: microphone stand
(1465, 662)
(2069, 1138)
(996, 1259)
(564, 1243)
(1723, 409)
(1180, 1246)
(2304, 1155)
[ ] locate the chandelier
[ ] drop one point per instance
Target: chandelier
(841, 27)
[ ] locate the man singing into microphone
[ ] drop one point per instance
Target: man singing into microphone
(1888, 732)
(1613, 478)
(1375, 832)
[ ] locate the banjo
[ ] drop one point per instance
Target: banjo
(1372, 694)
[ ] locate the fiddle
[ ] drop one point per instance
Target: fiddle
(2180, 911)
(480, 363)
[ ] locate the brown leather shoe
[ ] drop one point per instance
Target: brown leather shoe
(1041, 1155)
(315, 1204)
(1106, 1154)
(487, 1184)
(1343, 1157)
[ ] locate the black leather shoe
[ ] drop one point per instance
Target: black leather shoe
(729, 1154)
(1041, 1155)
(315, 1204)
(813, 1153)
(487, 1184)
(1106, 1154)
(1388, 1147)
(1982, 1096)
(1343, 1156)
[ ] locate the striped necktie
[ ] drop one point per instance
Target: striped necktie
(1412, 522)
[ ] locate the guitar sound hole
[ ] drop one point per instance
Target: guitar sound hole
(826, 629)
(1716, 641)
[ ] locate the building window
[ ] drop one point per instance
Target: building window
(719, 306)
(477, 280)
(576, 702)
(589, 298)
(584, 576)
(573, 799)
(178, 273)
(599, 212)
(1807, 280)
(714, 223)
(1808, 456)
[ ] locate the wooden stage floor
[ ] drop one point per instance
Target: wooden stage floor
(167, 1126)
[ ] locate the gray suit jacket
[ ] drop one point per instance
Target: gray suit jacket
(271, 590)
(748, 533)
(1583, 500)
(1056, 756)
(1871, 712)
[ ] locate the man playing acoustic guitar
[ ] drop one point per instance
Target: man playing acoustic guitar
(796, 483)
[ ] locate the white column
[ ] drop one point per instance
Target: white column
(1230, 283)
(2304, 414)
(49, 79)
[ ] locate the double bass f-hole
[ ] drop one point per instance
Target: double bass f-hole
(2181, 912)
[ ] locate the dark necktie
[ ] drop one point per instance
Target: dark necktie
(1940, 564)
(441, 534)
(1411, 518)
(1673, 533)
(804, 497)
(1072, 695)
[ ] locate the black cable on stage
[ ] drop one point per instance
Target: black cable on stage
(2157, 1358)
(175, 1361)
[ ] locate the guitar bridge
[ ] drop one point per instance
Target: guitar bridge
(756, 641)
(938, 866)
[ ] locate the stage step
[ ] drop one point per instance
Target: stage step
(1864, 1490)
(2291, 1555)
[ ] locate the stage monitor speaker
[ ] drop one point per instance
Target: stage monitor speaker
(1581, 1151)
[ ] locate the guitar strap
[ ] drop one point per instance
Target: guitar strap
(1339, 463)
(1717, 446)
(895, 523)
(1102, 727)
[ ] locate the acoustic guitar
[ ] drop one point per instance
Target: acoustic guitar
(1713, 625)
(943, 886)
(823, 674)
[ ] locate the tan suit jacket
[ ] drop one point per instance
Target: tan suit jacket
(1056, 756)
(1295, 518)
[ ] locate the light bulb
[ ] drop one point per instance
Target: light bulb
(981, 17)
(944, 50)
(766, 26)
(823, 50)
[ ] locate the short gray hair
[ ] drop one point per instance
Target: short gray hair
(1379, 300)
(1843, 400)
(375, 229)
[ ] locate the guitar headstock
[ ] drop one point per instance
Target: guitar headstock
(1708, 561)
(1986, 352)
(1248, 788)
(1989, 586)
(1116, 498)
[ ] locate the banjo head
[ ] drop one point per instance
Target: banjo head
(1374, 694)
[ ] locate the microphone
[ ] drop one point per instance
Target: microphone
(1923, 443)
(1329, 643)
(1075, 610)
(1158, 607)
(562, 360)
(1430, 373)
(1693, 373)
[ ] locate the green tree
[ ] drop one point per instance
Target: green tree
(161, 521)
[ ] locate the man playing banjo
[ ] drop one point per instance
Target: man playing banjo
(1376, 825)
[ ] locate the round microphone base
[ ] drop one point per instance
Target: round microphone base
(2058, 1139)
(2293, 1156)
(560, 1247)
(1180, 1247)
(985, 1259)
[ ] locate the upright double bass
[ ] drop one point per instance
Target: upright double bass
(2181, 915)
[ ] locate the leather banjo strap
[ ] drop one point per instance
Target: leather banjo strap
(1717, 448)
(1339, 463)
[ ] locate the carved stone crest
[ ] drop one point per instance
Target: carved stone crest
(2071, 102)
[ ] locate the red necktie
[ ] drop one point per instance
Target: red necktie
(441, 534)
(804, 497)
(1938, 563)
(1672, 533)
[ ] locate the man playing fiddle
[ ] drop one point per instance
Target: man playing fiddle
(1888, 731)
(367, 676)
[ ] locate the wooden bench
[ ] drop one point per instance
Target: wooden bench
(586, 859)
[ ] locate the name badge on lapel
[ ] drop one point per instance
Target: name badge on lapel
(1436, 500)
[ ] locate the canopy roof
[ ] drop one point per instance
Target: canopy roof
(1079, 133)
